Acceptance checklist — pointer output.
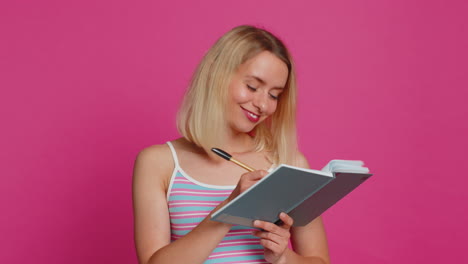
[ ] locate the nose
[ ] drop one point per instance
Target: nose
(260, 102)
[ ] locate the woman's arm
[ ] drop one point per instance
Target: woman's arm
(153, 168)
(152, 171)
(310, 241)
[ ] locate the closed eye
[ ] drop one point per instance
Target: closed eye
(272, 96)
(251, 88)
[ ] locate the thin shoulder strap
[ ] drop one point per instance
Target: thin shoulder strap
(174, 154)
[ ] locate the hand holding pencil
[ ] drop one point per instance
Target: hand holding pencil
(247, 179)
(275, 245)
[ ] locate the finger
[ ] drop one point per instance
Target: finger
(277, 239)
(260, 174)
(270, 227)
(287, 220)
(274, 242)
(254, 175)
(248, 179)
(266, 226)
(270, 245)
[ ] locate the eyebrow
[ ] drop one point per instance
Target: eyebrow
(262, 81)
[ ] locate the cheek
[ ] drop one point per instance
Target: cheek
(240, 95)
(272, 107)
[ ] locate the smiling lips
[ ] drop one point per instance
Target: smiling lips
(251, 116)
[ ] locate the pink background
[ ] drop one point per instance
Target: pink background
(87, 84)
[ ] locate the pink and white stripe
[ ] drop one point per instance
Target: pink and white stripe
(189, 214)
(258, 261)
(236, 253)
(239, 242)
(188, 203)
(188, 192)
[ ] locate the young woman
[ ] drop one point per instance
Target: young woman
(242, 99)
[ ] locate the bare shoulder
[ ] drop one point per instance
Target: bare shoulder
(154, 153)
(302, 161)
(154, 164)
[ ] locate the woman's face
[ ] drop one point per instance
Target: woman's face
(254, 91)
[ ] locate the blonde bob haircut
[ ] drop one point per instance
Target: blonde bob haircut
(201, 117)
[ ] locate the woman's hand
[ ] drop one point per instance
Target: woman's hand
(274, 238)
(245, 182)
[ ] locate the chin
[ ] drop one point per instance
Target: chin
(247, 129)
(245, 126)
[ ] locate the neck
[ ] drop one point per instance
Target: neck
(238, 143)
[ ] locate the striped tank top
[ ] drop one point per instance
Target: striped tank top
(190, 201)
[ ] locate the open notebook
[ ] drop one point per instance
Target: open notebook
(302, 193)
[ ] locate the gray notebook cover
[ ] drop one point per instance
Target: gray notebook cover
(327, 196)
(304, 194)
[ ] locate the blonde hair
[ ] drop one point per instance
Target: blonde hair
(201, 116)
